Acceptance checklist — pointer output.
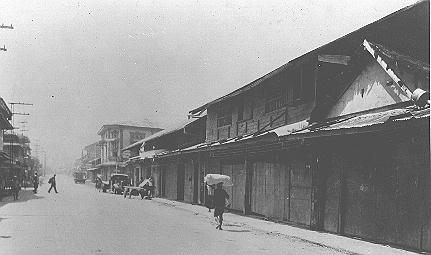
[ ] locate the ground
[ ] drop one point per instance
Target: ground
(80, 220)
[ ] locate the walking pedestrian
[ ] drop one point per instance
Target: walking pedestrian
(220, 197)
(35, 182)
(53, 184)
(209, 203)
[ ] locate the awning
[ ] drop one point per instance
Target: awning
(92, 169)
(150, 154)
(111, 163)
(289, 129)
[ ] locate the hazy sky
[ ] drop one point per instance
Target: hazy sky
(86, 63)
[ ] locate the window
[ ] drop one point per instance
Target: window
(224, 116)
(114, 133)
(245, 110)
(290, 87)
(275, 98)
(241, 111)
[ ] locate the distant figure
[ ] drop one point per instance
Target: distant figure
(15, 188)
(35, 182)
(53, 184)
(220, 197)
(151, 187)
(98, 184)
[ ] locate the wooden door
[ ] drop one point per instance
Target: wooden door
(188, 181)
(180, 181)
(300, 191)
(238, 189)
(268, 189)
(359, 198)
(171, 181)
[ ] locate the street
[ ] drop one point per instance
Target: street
(80, 220)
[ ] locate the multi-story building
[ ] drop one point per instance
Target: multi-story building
(90, 158)
(5, 117)
(114, 137)
(18, 149)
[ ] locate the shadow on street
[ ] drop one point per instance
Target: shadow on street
(23, 196)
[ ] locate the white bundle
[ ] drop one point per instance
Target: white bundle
(212, 179)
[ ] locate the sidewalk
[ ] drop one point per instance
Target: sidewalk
(330, 241)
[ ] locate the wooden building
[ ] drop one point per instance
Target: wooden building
(172, 177)
(330, 141)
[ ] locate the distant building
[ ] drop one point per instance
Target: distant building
(5, 117)
(90, 158)
(18, 150)
(113, 138)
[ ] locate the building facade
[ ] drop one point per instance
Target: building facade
(5, 117)
(113, 139)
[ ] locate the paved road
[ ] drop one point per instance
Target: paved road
(79, 220)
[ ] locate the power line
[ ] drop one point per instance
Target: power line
(5, 27)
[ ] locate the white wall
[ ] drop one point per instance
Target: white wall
(368, 91)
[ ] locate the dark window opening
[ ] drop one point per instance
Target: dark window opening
(241, 111)
(224, 116)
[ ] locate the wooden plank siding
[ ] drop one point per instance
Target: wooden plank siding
(188, 181)
(236, 193)
(333, 194)
(380, 193)
(170, 181)
(268, 189)
(297, 106)
(300, 191)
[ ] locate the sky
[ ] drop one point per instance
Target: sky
(86, 63)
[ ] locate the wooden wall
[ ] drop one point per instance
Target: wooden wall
(188, 181)
(380, 193)
(170, 181)
(300, 190)
(259, 120)
(236, 193)
(333, 194)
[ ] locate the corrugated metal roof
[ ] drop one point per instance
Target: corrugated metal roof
(378, 118)
(343, 122)
(168, 130)
(171, 129)
(367, 120)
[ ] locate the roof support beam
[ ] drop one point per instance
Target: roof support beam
(387, 69)
(334, 59)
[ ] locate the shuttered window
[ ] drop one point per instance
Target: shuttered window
(224, 116)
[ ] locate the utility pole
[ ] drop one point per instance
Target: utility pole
(5, 27)
(23, 128)
(44, 163)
